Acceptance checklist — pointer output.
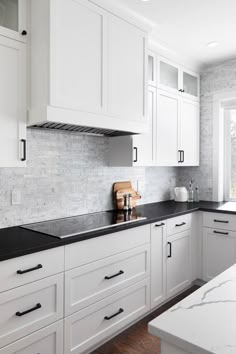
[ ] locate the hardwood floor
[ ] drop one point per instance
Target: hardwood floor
(136, 339)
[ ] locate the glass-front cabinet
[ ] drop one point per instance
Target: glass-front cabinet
(176, 79)
(13, 19)
(190, 84)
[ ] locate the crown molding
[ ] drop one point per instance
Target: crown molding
(126, 14)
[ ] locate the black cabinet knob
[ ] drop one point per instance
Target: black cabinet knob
(24, 33)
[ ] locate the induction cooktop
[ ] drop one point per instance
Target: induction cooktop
(78, 225)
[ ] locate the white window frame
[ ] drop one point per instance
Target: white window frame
(227, 157)
(220, 101)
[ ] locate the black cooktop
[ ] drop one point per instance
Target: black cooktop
(77, 225)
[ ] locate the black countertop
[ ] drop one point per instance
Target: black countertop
(16, 242)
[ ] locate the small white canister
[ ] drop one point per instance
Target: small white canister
(181, 194)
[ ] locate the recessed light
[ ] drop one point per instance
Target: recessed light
(213, 44)
(144, 0)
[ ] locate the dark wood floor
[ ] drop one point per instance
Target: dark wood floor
(136, 339)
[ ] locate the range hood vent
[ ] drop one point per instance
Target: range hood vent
(80, 129)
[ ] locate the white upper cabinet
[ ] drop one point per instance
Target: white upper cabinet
(88, 67)
(136, 150)
(175, 78)
(177, 130)
(13, 19)
(168, 110)
(189, 132)
(12, 103)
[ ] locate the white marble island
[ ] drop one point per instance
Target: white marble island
(202, 323)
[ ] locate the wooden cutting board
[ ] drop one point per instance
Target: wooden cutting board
(122, 188)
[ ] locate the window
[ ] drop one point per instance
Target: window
(230, 155)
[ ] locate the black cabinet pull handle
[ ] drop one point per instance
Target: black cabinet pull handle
(170, 248)
(24, 33)
(222, 221)
(39, 266)
(24, 150)
(220, 232)
(181, 156)
(115, 314)
(19, 314)
(136, 154)
(182, 224)
(180, 160)
(160, 225)
(115, 275)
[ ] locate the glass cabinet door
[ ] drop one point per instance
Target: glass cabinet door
(9, 10)
(13, 19)
(190, 84)
(168, 75)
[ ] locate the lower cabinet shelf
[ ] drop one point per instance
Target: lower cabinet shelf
(86, 328)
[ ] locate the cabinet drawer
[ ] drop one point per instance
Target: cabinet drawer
(88, 251)
(219, 221)
(22, 270)
(30, 307)
(88, 327)
(48, 340)
(178, 224)
(95, 281)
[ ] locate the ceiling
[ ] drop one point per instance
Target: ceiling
(186, 26)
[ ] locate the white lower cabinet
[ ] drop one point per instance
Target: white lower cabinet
(48, 340)
(158, 263)
(88, 327)
(178, 262)
(90, 283)
(30, 307)
(219, 251)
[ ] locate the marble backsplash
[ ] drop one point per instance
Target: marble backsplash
(68, 174)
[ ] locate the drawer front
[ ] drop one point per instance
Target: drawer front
(48, 340)
(219, 221)
(93, 282)
(30, 307)
(88, 327)
(23, 270)
(178, 224)
(88, 251)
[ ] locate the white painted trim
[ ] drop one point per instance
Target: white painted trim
(218, 142)
(166, 52)
(125, 13)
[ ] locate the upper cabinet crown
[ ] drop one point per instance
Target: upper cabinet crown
(167, 75)
(13, 19)
(88, 67)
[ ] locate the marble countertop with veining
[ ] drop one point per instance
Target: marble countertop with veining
(205, 321)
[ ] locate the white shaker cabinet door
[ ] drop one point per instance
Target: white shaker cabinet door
(219, 251)
(167, 129)
(78, 56)
(178, 262)
(127, 71)
(143, 144)
(158, 263)
(12, 103)
(13, 19)
(189, 132)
